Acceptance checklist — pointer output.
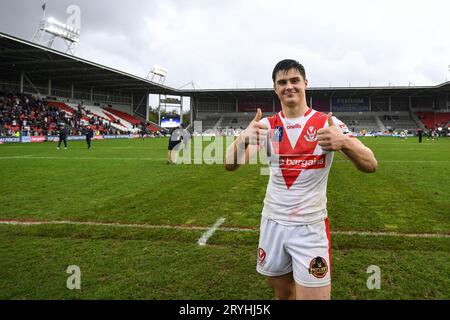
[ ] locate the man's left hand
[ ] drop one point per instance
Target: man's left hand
(331, 138)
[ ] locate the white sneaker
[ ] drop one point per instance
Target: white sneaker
(65, 148)
(57, 148)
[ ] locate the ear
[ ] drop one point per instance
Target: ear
(306, 82)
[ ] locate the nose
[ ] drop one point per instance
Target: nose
(289, 86)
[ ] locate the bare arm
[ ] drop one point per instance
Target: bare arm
(332, 139)
(237, 153)
(246, 145)
(361, 156)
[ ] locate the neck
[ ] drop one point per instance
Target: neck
(295, 111)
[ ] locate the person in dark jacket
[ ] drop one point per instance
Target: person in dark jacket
(89, 135)
(420, 134)
(62, 132)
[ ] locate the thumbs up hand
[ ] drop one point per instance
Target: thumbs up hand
(331, 138)
(258, 115)
(256, 132)
(330, 119)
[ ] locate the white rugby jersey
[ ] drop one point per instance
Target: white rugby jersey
(296, 192)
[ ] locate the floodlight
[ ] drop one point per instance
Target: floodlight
(159, 71)
(62, 30)
(56, 29)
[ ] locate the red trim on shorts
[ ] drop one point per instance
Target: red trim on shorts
(327, 229)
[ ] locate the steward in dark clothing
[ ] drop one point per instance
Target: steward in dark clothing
(62, 136)
(143, 132)
(420, 133)
(89, 134)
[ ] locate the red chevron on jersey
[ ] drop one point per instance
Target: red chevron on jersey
(305, 146)
(297, 188)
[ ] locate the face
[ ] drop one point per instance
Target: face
(290, 87)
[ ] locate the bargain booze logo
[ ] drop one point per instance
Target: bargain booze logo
(311, 134)
(302, 162)
(261, 256)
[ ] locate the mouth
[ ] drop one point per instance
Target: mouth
(289, 94)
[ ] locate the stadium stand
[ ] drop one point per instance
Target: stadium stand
(236, 121)
(434, 119)
(32, 116)
(96, 113)
(399, 122)
(28, 115)
(125, 116)
(29, 71)
(133, 121)
(357, 122)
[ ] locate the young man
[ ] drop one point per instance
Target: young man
(294, 247)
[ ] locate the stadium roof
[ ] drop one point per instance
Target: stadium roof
(42, 63)
(390, 91)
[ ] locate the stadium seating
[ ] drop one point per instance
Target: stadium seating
(61, 105)
(28, 115)
(433, 119)
(35, 116)
(209, 120)
(398, 122)
(125, 116)
(357, 122)
(107, 117)
(236, 122)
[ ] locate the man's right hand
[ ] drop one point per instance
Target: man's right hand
(256, 132)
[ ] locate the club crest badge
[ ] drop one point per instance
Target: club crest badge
(311, 134)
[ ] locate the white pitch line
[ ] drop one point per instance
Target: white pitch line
(393, 234)
(116, 224)
(204, 238)
(210, 231)
(16, 157)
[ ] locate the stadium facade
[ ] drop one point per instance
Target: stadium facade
(29, 68)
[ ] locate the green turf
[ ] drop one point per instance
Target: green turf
(128, 181)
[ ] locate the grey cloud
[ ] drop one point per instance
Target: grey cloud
(237, 43)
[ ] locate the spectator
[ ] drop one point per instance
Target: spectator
(62, 136)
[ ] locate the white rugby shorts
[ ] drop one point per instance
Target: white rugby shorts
(304, 250)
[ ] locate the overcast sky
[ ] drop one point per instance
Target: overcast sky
(229, 44)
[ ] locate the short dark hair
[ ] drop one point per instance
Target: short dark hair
(286, 65)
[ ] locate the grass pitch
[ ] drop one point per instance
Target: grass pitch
(128, 182)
